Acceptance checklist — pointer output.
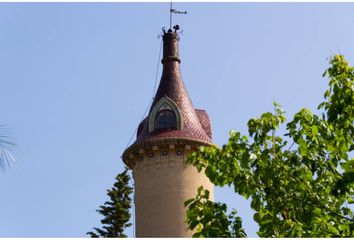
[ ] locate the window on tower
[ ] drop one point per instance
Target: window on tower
(165, 115)
(165, 119)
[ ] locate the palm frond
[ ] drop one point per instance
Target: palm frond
(6, 148)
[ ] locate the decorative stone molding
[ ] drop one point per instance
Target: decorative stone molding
(172, 154)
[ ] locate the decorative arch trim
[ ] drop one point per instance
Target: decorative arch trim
(165, 103)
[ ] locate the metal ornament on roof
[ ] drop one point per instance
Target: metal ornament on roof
(175, 11)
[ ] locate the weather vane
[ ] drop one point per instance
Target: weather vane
(176, 12)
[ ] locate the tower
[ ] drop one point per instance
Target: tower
(170, 132)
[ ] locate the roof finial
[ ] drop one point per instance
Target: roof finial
(177, 12)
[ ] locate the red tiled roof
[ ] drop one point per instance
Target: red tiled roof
(205, 121)
(196, 125)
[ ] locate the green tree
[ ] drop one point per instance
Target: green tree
(301, 183)
(210, 218)
(116, 215)
(6, 148)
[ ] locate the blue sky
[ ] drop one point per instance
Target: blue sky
(77, 77)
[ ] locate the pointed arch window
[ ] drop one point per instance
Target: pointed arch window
(165, 119)
(165, 115)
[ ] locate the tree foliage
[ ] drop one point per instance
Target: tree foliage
(210, 218)
(116, 215)
(302, 182)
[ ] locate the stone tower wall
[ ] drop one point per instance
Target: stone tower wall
(163, 182)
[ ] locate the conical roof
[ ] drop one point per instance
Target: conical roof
(196, 124)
